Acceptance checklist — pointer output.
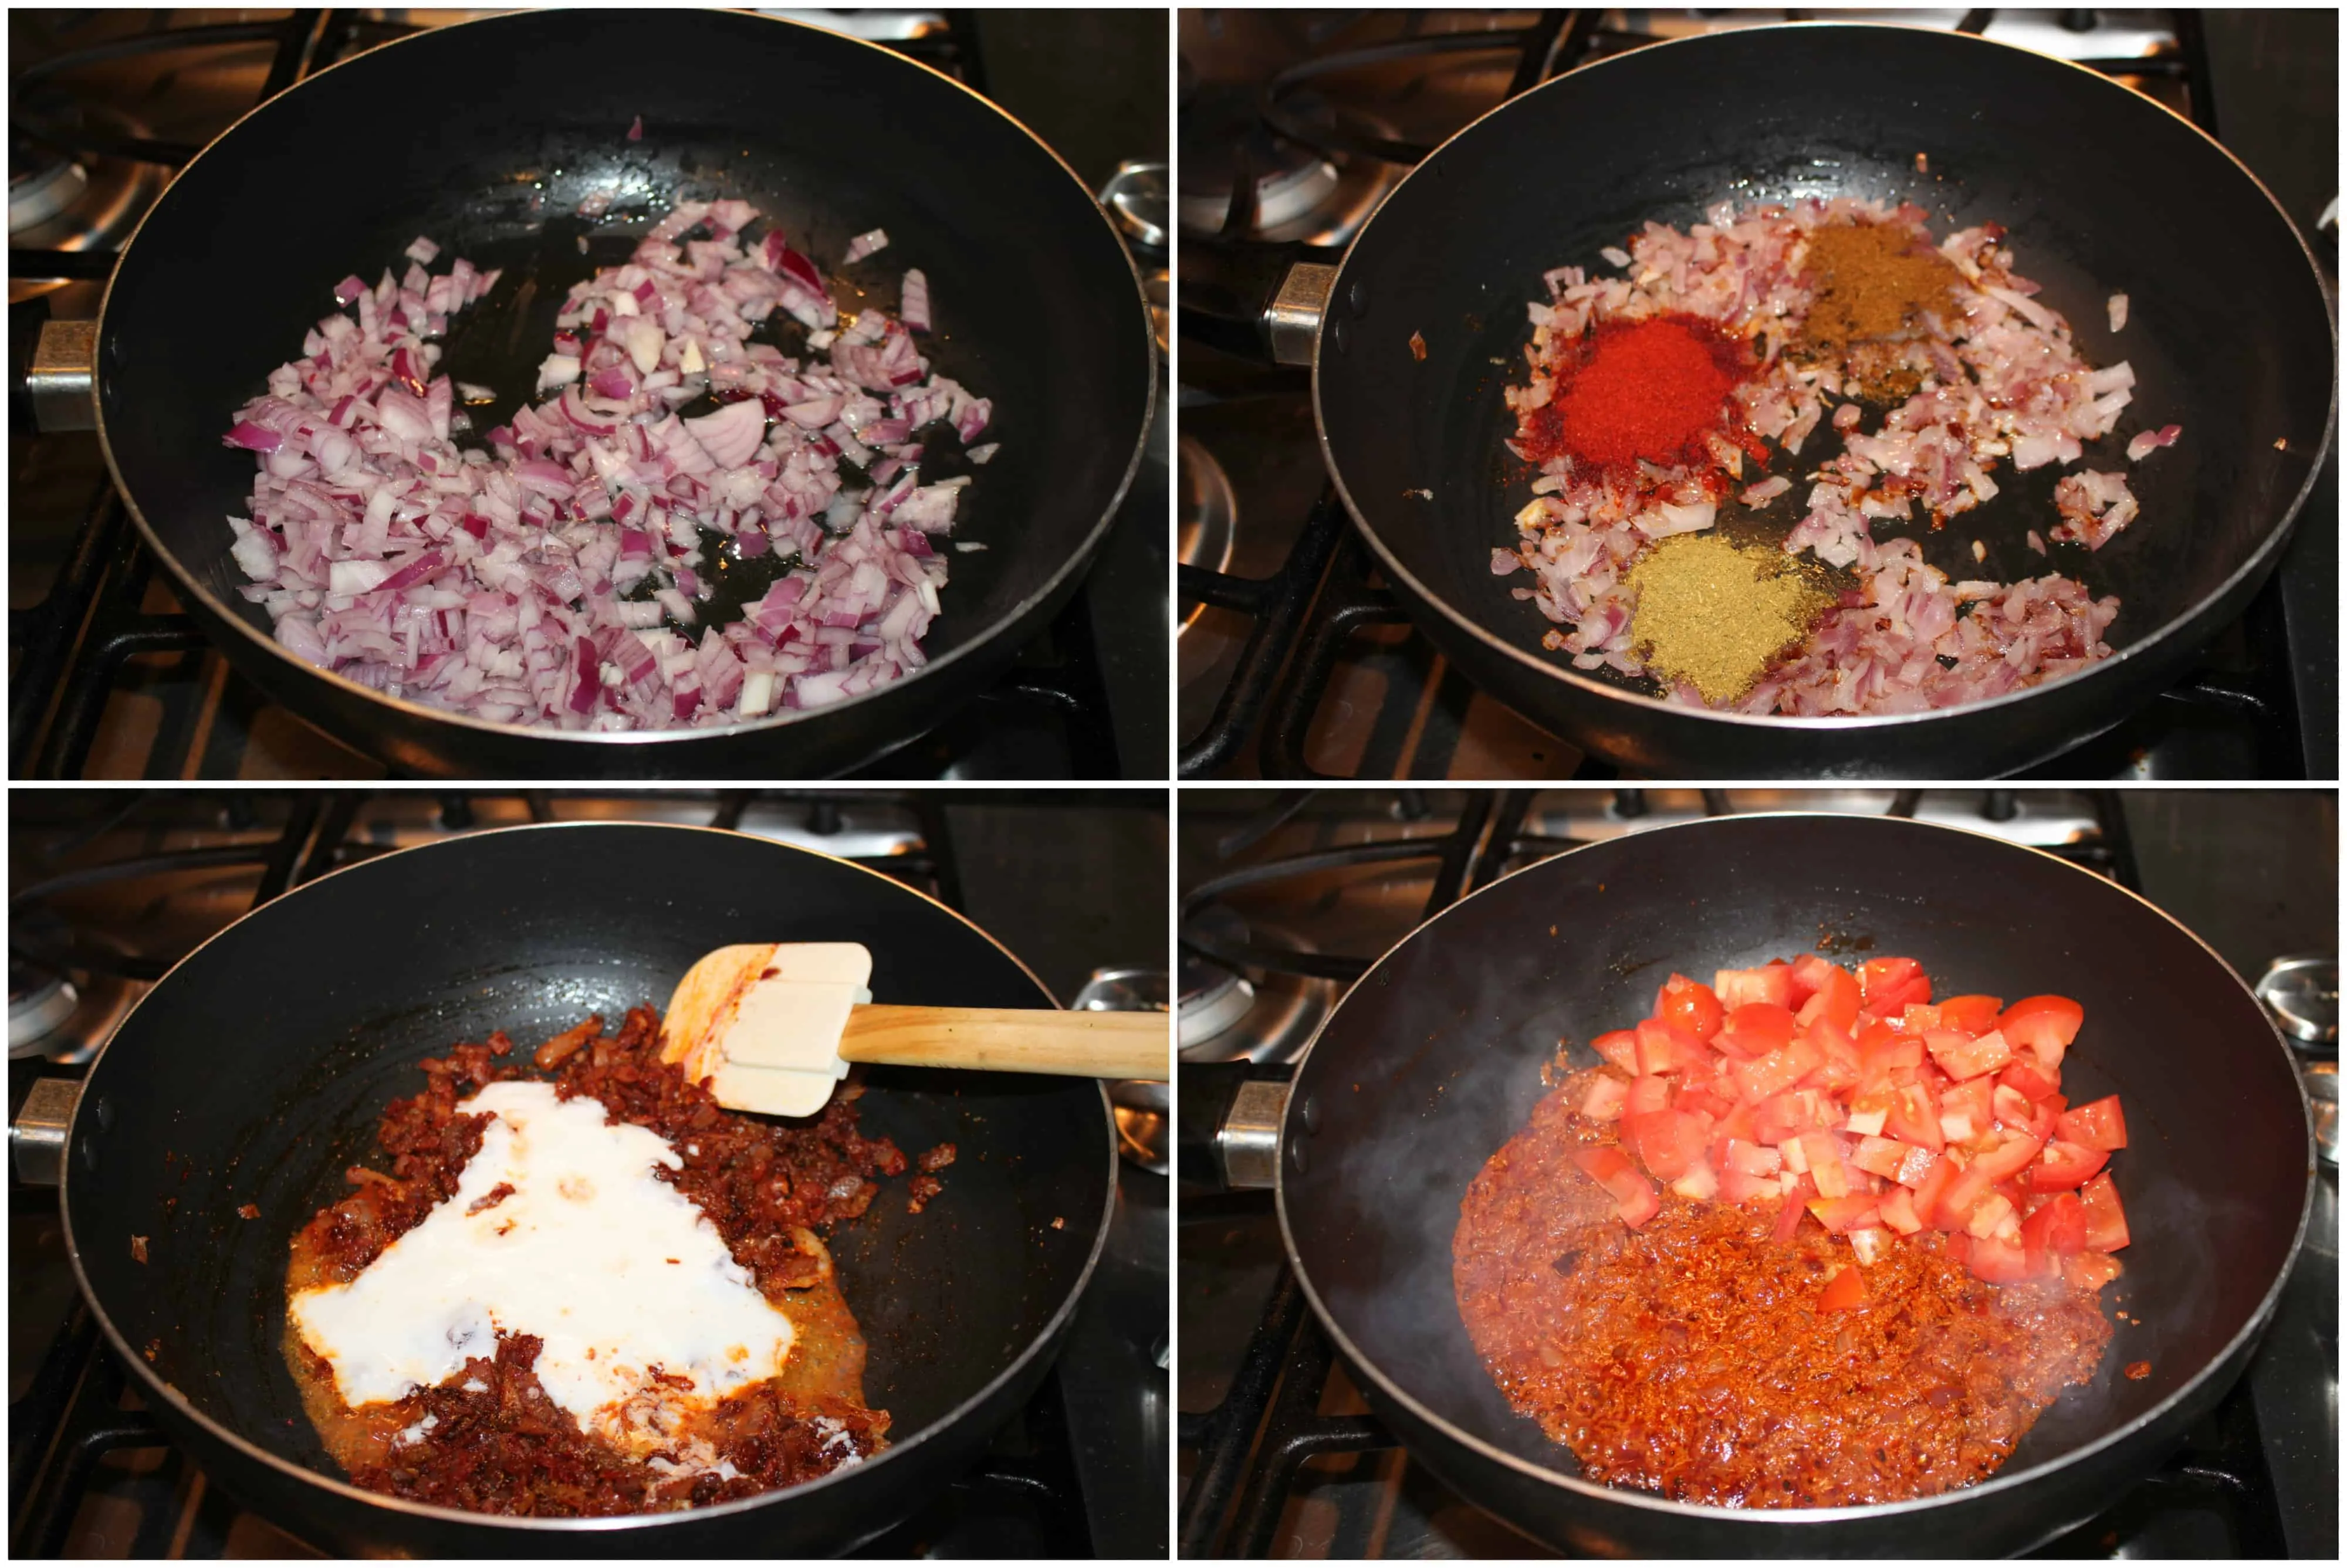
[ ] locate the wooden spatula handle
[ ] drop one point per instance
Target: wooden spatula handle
(1012, 1039)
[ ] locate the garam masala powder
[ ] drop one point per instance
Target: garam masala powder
(1873, 284)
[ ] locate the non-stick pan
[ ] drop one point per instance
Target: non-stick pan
(487, 136)
(1432, 1061)
(257, 1069)
(2102, 189)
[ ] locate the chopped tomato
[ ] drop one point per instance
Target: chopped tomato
(2107, 1226)
(1967, 1110)
(1778, 1117)
(1701, 1182)
(1620, 1047)
(1889, 985)
(1963, 1057)
(1836, 998)
(1880, 1048)
(2056, 1225)
(1788, 1218)
(1743, 1186)
(2098, 1125)
(1882, 1156)
(1915, 1118)
(2045, 1025)
(1844, 1291)
(1973, 1015)
(1777, 1072)
(1663, 1048)
(1751, 1158)
(1756, 1029)
(1848, 1212)
(1738, 988)
(1605, 1097)
(1899, 1211)
(2029, 1076)
(1668, 1143)
(1998, 1262)
(1690, 1005)
(1809, 974)
(1690, 1096)
(1914, 1019)
(1914, 1165)
(2090, 1270)
(2065, 1165)
(1635, 1197)
(1933, 1189)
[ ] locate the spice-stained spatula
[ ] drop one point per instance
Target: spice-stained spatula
(774, 1025)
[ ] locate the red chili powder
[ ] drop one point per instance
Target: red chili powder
(1648, 389)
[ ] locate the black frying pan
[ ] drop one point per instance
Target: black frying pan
(487, 136)
(1444, 1037)
(257, 1070)
(2103, 190)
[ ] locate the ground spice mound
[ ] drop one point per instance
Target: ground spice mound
(1650, 390)
(1689, 1356)
(1875, 284)
(1717, 616)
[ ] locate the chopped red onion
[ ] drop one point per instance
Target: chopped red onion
(489, 580)
(636, 130)
(865, 244)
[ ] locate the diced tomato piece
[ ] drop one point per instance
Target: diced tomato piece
(1914, 1019)
(1867, 1115)
(1962, 1057)
(1756, 1029)
(1636, 1198)
(1788, 1218)
(1966, 1109)
(1915, 1118)
(1932, 1190)
(1899, 1211)
(1876, 976)
(1836, 998)
(1847, 1213)
(2031, 1077)
(2056, 1225)
(1998, 1262)
(2107, 1226)
(2065, 1165)
(1971, 1186)
(1844, 1291)
(1751, 1158)
(2098, 1125)
(2045, 1025)
(1668, 1143)
(2009, 1157)
(1743, 1186)
(1690, 1005)
(1777, 1072)
(1778, 1117)
(1880, 1047)
(2090, 1271)
(1993, 1216)
(1702, 1102)
(1605, 1097)
(1869, 1243)
(1739, 988)
(1701, 1182)
(1915, 1163)
(1973, 1015)
(1647, 1094)
(1620, 1047)
(1882, 1156)
(2011, 1107)
(1663, 1048)
(1809, 973)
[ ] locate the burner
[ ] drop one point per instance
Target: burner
(39, 1003)
(1209, 515)
(1300, 195)
(1228, 1016)
(60, 202)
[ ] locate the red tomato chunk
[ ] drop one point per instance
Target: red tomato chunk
(1853, 1100)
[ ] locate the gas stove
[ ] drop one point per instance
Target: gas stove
(108, 888)
(1287, 897)
(111, 679)
(1295, 661)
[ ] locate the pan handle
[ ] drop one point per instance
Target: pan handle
(61, 382)
(36, 1134)
(1226, 1130)
(1256, 301)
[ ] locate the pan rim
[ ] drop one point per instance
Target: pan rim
(775, 725)
(2252, 1329)
(2259, 561)
(154, 1386)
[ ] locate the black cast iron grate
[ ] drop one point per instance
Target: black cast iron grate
(73, 650)
(1277, 698)
(1251, 1448)
(1024, 1494)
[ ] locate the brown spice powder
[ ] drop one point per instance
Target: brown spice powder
(1874, 285)
(1716, 615)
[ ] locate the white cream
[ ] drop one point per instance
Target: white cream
(616, 1271)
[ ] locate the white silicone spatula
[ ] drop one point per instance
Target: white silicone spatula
(774, 1025)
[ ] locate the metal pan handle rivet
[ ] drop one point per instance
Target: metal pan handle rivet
(1340, 332)
(89, 1155)
(1360, 296)
(1295, 1155)
(1310, 1112)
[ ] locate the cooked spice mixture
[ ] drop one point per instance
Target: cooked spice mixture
(1716, 614)
(1689, 1358)
(489, 1439)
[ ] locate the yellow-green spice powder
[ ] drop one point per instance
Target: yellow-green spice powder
(1716, 615)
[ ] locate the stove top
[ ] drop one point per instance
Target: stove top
(108, 888)
(1294, 661)
(111, 679)
(1282, 892)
